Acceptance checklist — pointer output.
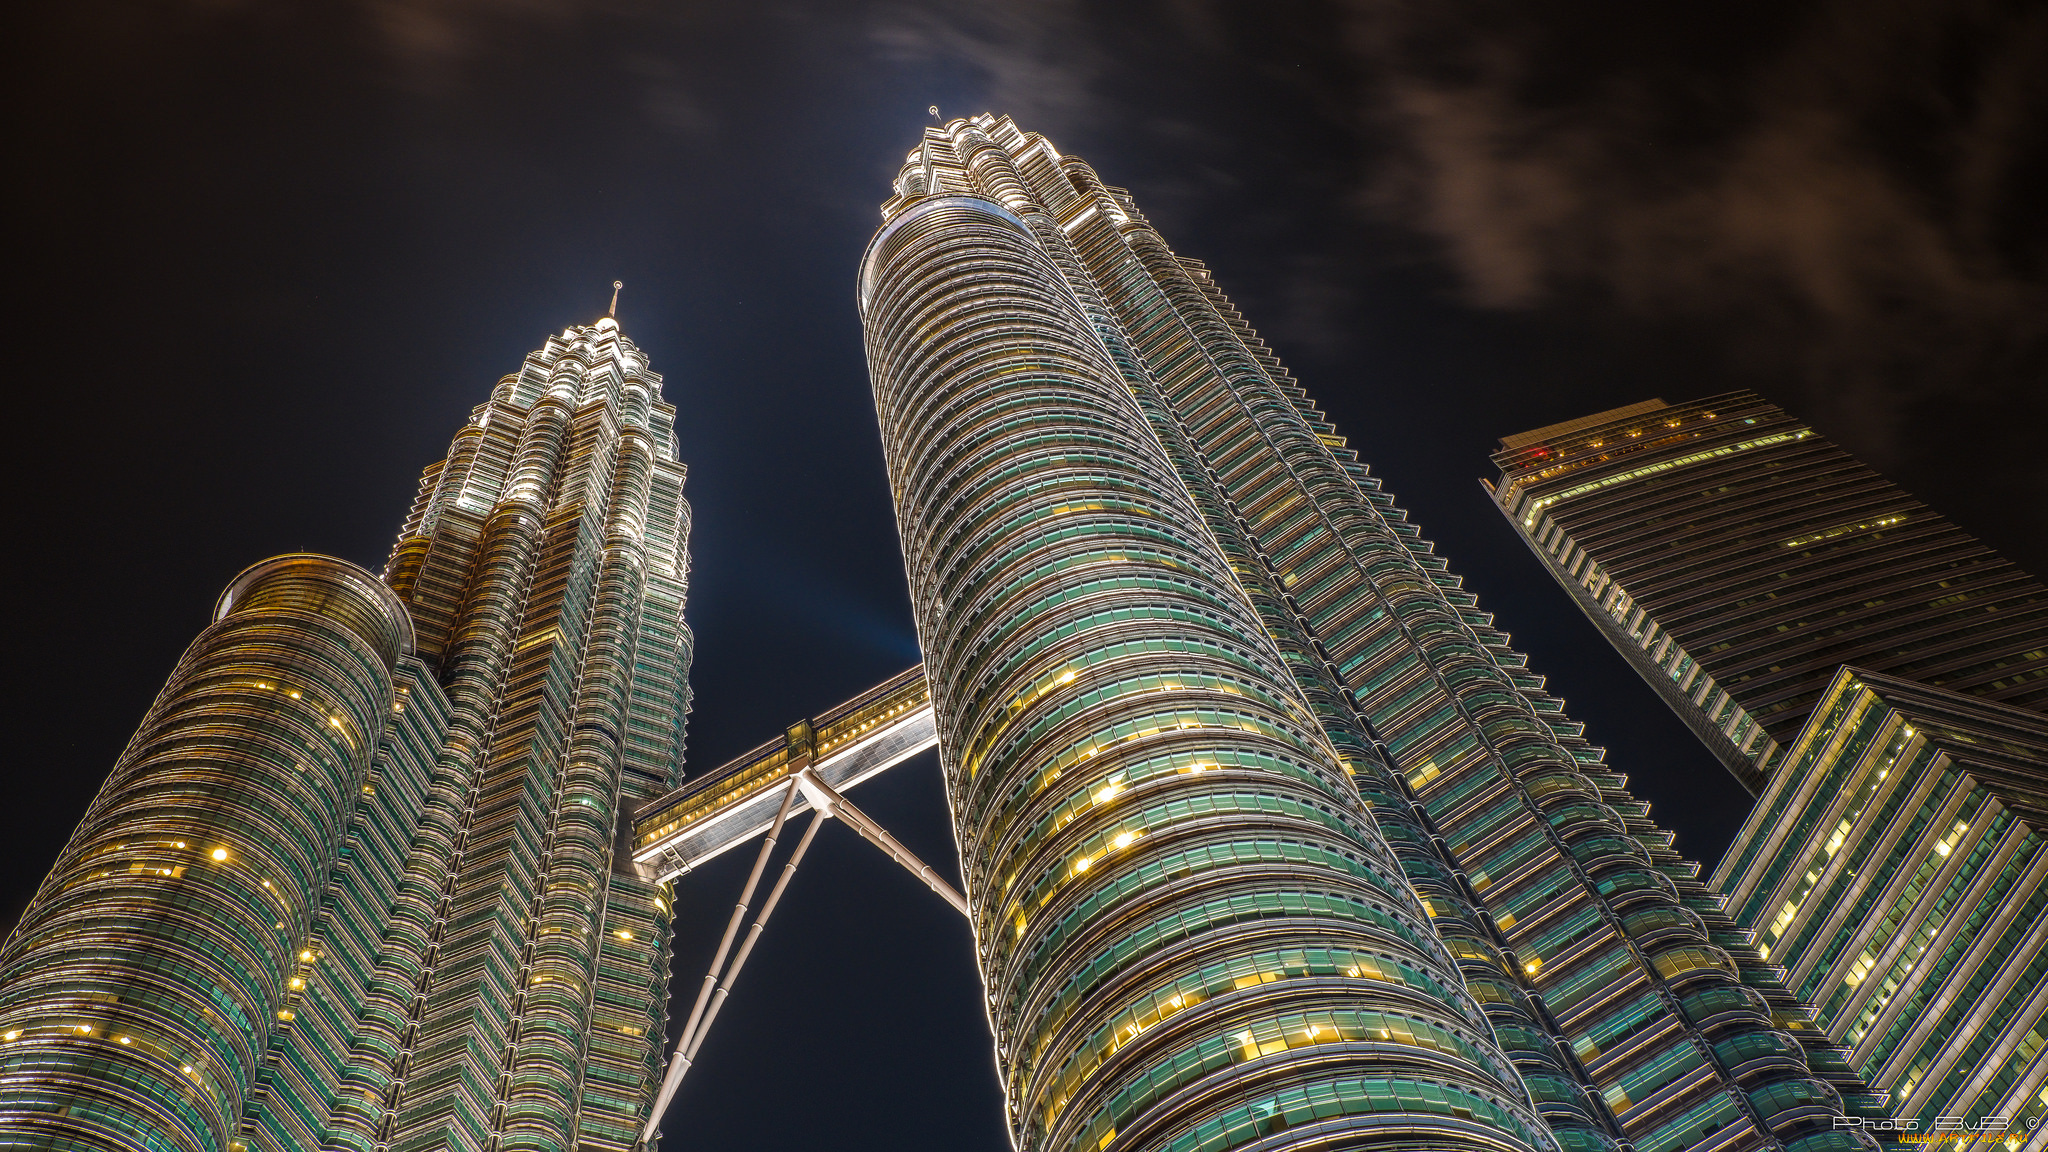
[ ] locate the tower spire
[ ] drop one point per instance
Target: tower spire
(616, 285)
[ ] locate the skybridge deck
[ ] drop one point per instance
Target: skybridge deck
(737, 801)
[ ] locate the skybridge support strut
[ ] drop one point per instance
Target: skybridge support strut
(825, 799)
(679, 1064)
(718, 982)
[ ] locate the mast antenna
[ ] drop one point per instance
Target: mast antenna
(616, 285)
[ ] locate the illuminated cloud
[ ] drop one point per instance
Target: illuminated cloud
(1847, 199)
(1035, 60)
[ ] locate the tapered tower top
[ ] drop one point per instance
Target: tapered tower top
(939, 164)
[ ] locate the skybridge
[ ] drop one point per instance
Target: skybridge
(754, 795)
(735, 802)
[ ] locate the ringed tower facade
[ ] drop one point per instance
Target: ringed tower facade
(1271, 839)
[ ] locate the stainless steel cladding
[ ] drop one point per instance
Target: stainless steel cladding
(1190, 930)
(1218, 723)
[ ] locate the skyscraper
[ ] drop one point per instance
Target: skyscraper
(1877, 675)
(1737, 558)
(1894, 867)
(1268, 834)
(352, 884)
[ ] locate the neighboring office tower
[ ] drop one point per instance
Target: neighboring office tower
(1224, 741)
(1737, 558)
(351, 886)
(1896, 868)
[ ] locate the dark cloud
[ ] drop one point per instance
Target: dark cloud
(668, 100)
(1854, 197)
(1035, 60)
(432, 36)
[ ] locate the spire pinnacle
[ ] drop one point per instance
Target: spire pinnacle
(616, 285)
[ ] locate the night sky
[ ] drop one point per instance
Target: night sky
(264, 257)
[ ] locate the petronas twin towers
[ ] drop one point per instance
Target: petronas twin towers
(1269, 839)
(352, 886)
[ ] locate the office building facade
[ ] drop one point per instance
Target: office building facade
(1895, 869)
(1270, 838)
(1736, 558)
(352, 884)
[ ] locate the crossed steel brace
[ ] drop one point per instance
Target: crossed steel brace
(719, 980)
